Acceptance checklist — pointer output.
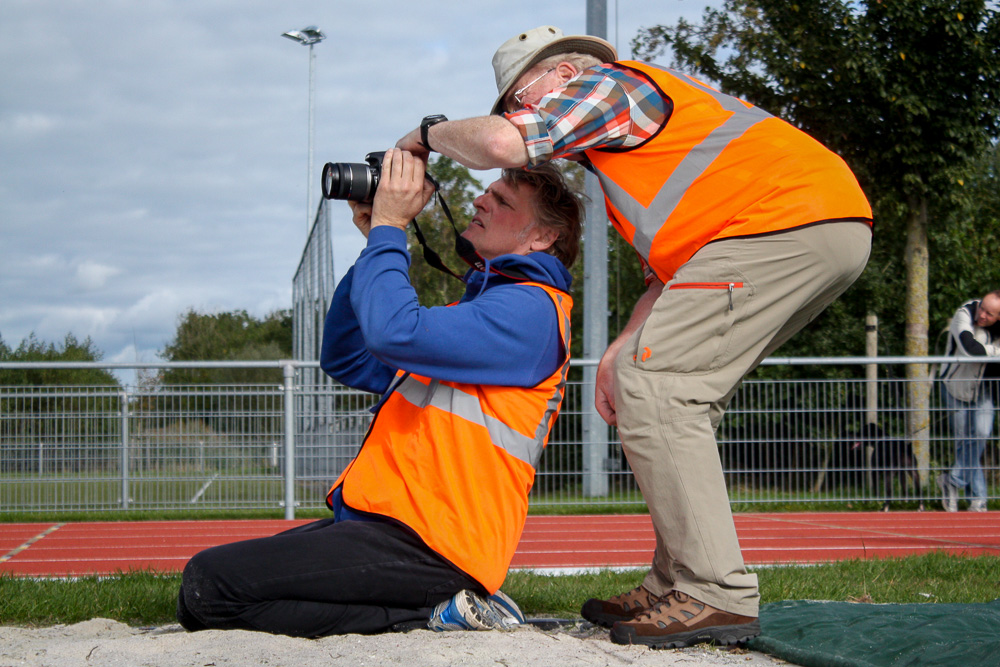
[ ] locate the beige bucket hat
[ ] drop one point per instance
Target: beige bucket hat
(522, 52)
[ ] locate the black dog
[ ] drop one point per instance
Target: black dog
(891, 459)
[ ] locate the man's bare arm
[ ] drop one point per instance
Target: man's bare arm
(485, 142)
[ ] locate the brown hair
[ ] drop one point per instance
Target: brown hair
(557, 206)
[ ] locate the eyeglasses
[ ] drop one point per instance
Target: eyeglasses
(520, 91)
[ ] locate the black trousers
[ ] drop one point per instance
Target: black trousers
(319, 579)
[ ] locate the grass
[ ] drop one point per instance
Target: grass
(145, 598)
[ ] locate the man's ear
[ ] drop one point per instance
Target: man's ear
(566, 71)
(544, 238)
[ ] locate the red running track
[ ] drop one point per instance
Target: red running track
(548, 542)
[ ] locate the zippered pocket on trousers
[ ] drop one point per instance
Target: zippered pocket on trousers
(713, 286)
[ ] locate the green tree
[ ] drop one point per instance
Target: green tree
(66, 417)
(70, 349)
(907, 92)
(962, 262)
(229, 336)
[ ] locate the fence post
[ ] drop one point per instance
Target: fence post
(871, 389)
(595, 439)
(288, 370)
(123, 412)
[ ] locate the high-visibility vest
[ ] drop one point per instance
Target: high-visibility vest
(719, 168)
(454, 462)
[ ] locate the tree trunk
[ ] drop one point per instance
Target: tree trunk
(918, 387)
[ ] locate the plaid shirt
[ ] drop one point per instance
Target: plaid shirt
(602, 107)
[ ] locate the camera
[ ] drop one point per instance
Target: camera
(353, 180)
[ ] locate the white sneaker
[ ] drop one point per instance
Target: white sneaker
(506, 609)
(977, 506)
(949, 493)
(468, 611)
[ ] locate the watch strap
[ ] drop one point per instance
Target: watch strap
(426, 124)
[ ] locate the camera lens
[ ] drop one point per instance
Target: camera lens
(349, 180)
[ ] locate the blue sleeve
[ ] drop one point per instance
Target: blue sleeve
(508, 335)
(344, 356)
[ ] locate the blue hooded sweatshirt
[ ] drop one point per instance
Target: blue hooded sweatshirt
(499, 333)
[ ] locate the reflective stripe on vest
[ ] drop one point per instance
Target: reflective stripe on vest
(466, 406)
(649, 219)
(719, 168)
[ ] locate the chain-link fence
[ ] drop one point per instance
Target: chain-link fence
(76, 448)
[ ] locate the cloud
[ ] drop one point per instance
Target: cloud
(92, 275)
(25, 125)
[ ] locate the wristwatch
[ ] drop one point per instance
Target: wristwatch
(425, 125)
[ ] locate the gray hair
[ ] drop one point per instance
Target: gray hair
(581, 61)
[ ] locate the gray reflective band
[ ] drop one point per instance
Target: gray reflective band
(466, 406)
(556, 398)
(648, 220)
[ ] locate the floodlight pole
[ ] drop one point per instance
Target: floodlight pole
(595, 305)
(308, 37)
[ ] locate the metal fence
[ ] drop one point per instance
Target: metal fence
(75, 448)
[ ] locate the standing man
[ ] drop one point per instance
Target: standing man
(747, 229)
(427, 517)
(973, 332)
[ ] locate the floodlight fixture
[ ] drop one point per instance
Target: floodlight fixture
(307, 36)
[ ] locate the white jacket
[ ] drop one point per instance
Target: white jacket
(963, 380)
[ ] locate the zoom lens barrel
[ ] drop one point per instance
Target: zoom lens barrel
(350, 180)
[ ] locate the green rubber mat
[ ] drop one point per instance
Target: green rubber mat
(821, 634)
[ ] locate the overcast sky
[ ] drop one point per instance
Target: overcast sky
(153, 154)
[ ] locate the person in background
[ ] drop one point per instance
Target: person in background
(974, 331)
(747, 229)
(426, 518)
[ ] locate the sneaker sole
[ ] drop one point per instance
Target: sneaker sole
(723, 635)
(474, 612)
(506, 609)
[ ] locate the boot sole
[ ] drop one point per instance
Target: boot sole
(602, 618)
(723, 635)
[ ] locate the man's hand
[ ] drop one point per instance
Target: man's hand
(402, 190)
(362, 216)
(604, 388)
(411, 143)
(604, 385)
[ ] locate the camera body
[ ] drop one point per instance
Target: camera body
(353, 180)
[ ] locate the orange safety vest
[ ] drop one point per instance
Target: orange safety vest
(455, 462)
(719, 168)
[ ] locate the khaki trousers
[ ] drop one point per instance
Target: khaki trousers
(725, 310)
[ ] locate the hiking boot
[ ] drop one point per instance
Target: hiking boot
(622, 607)
(977, 506)
(949, 493)
(469, 611)
(678, 620)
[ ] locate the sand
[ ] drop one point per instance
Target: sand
(106, 643)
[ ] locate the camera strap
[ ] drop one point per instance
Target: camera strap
(430, 256)
(463, 246)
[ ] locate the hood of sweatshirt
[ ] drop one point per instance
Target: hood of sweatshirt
(538, 267)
